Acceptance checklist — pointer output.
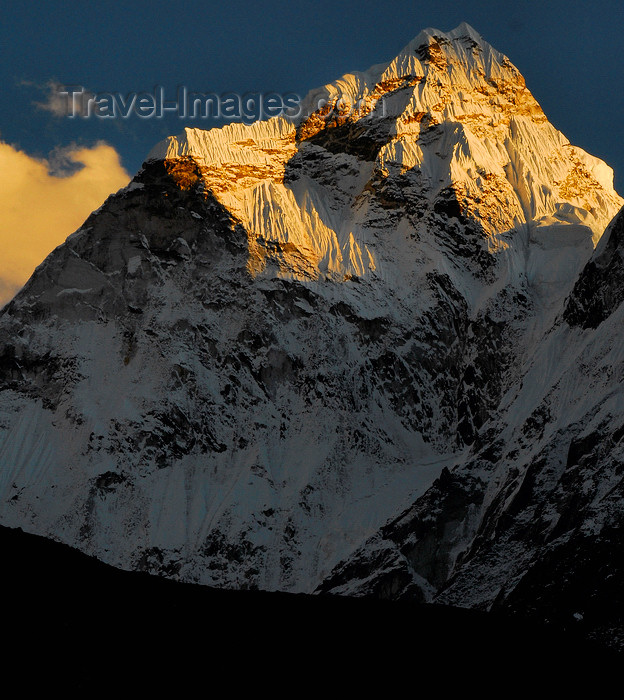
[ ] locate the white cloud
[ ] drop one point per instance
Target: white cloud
(38, 210)
(65, 100)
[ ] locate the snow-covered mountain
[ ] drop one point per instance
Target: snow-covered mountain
(371, 350)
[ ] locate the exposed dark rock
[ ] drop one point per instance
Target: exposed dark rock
(600, 288)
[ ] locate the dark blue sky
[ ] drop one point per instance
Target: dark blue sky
(571, 54)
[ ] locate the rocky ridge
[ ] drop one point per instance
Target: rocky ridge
(370, 350)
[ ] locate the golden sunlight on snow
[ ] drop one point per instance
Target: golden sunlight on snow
(39, 210)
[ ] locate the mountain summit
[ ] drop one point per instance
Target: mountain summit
(370, 350)
(448, 121)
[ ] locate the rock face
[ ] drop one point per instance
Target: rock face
(532, 520)
(370, 350)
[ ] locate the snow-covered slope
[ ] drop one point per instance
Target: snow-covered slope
(280, 337)
(533, 520)
(449, 117)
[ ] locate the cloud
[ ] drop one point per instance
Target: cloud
(38, 210)
(65, 100)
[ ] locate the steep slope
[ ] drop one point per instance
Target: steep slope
(278, 336)
(533, 521)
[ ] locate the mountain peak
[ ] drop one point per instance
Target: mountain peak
(462, 53)
(462, 33)
(449, 117)
(337, 338)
